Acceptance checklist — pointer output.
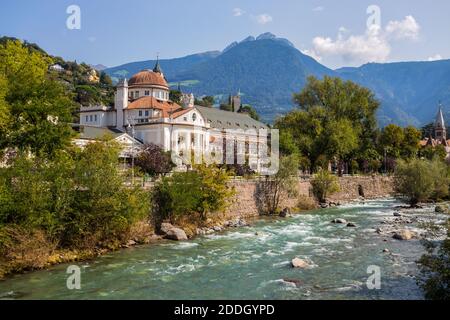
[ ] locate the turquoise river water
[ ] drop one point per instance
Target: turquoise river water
(248, 263)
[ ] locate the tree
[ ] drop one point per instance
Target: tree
(323, 185)
(207, 101)
(336, 119)
(411, 142)
(421, 180)
(226, 107)
(250, 110)
(430, 152)
(201, 191)
(39, 105)
(175, 96)
(283, 184)
(391, 139)
(153, 160)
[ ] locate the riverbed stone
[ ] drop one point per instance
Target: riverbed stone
(165, 227)
(397, 214)
(285, 213)
(351, 225)
(404, 235)
(339, 221)
(176, 234)
(442, 209)
(299, 263)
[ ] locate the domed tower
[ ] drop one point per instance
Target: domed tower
(440, 131)
(149, 83)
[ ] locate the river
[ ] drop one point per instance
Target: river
(249, 263)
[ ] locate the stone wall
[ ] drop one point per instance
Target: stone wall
(245, 204)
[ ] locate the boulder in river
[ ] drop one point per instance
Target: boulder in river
(176, 234)
(403, 235)
(299, 263)
(285, 213)
(165, 227)
(351, 225)
(442, 209)
(397, 214)
(297, 282)
(339, 221)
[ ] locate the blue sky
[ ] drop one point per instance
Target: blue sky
(335, 32)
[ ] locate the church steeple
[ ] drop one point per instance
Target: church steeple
(157, 68)
(440, 130)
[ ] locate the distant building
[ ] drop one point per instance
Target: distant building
(143, 110)
(57, 68)
(440, 134)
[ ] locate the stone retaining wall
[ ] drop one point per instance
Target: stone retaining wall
(245, 204)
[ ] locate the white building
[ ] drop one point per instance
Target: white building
(142, 109)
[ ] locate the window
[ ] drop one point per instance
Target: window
(194, 117)
(185, 118)
(146, 113)
(95, 117)
(87, 118)
(140, 113)
(136, 94)
(147, 92)
(90, 118)
(131, 95)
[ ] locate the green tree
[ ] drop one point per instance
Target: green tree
(421, 180)
(226, 107)
(251, 111)
(39, 105)
(175, 96)
(323, 185)
(277, 187)
(391, 139)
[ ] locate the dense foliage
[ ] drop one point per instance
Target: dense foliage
(200, 191)
(323, 185)
(153, 160)
(420, 180)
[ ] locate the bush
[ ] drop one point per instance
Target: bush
(421, 180)
(153, 160)
(201, 191)
(306, 203)
(435, 270)
(278, 187)
(323, 185)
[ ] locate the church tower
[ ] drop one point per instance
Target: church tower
(440, 131)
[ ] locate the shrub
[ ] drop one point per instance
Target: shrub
(200, 191)
(323, 185)
(306, 203)
(435, 270)
(153, 160)
(277, 187)
(421, 180)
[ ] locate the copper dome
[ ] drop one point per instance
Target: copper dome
(148, 78)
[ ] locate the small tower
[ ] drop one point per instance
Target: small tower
(187, 100)
(157, 68)
(236, 102)
(440, 131)
(121, 103)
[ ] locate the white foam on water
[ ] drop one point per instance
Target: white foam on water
(185, 245)
(281, 264)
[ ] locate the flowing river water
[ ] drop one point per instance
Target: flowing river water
(250, 263)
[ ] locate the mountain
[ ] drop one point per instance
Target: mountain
(170, 66)
(409, 91)
(268, 70)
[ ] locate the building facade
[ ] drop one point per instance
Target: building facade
(142, 109)
(440, 134)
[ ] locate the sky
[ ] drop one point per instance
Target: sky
(336, 33)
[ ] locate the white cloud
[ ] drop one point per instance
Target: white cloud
(372, 46)
(263, 18)
(312, 54)
(435, 57)
(237, 12)
(408, 28)
(318, 9)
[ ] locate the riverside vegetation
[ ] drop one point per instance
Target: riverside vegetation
(59, 203)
